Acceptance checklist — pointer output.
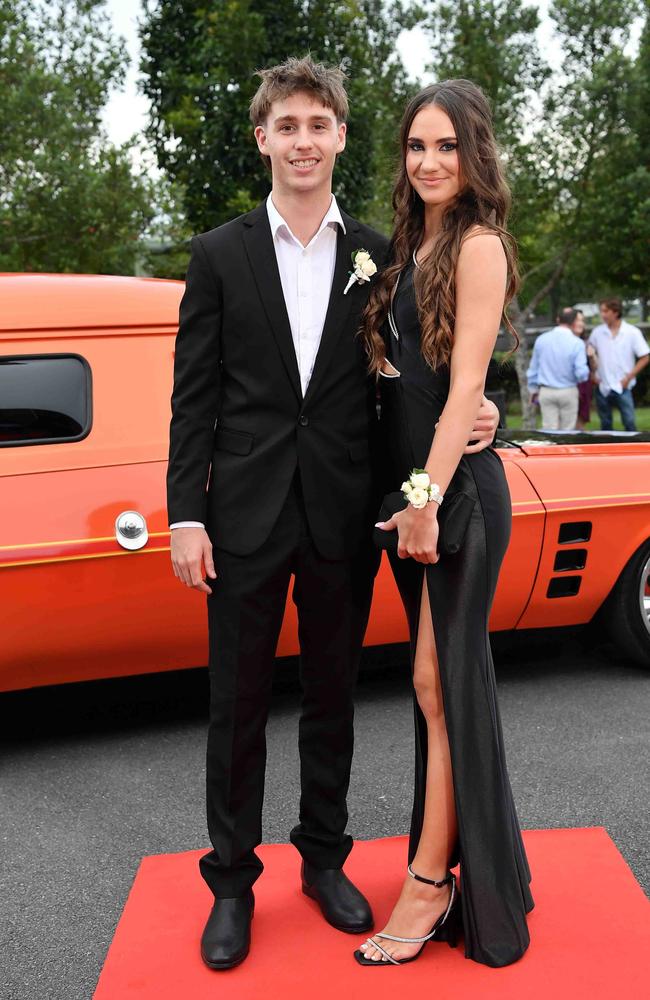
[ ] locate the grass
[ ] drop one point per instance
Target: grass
(642, 419)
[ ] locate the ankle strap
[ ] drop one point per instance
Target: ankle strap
(449, 877)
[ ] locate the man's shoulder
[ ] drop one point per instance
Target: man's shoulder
(367, 235)
(638, 339)
(598, 330)
(227, 231)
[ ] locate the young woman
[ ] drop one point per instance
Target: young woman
(430, 328)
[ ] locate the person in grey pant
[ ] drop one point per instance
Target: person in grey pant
(558, 364)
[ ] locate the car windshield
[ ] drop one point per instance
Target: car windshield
(520, 436)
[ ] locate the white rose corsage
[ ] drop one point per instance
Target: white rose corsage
(363, 269)
(419, 490)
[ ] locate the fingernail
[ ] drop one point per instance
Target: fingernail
(380, 524)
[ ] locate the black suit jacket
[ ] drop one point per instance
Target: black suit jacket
(239, 418)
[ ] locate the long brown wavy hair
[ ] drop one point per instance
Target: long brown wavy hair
(484, 200)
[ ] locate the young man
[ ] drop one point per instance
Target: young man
(272, 404)
(622, 352)
(558, 365)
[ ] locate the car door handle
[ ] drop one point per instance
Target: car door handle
(131, 530)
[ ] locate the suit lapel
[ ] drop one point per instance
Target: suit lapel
(261, 254)
(339, 304)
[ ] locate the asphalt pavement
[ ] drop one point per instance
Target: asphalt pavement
(94, 776)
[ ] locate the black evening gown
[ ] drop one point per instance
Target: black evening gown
(494, 870)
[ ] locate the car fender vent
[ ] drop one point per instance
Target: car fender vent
(572, 532)
(564, 586)
(568, 559)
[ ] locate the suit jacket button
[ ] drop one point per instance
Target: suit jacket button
(303, 420)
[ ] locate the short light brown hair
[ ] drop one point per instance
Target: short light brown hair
(324, 83)
(613, 303)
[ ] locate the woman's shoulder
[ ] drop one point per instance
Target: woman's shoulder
(482, 260)
(480, 243)
(481, 236)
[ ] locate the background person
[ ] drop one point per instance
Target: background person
(585, 389)
(622, 352)
(558, 365)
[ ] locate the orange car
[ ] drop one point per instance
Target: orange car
(86, 585)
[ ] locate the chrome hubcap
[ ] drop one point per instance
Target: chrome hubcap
(644, 595)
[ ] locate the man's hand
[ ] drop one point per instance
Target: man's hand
(485, 427)
(625, 381)
(191, 552)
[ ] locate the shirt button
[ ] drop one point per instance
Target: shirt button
(303, 420)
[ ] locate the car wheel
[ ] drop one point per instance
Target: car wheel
(626, 612)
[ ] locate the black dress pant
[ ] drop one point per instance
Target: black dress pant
(245, 613)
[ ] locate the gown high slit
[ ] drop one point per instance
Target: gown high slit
(494, 871)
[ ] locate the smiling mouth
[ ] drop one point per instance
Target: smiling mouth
(304, 164)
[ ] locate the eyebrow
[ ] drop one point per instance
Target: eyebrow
(293, 118)
(447, 138)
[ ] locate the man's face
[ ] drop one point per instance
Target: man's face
(302, 137)
(608, 315)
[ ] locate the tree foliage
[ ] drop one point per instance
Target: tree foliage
(199, 61)
(491, 42)
(573, 141)
(69, 200)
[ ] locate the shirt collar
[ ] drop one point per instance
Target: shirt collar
(625, 326)
(331, 218)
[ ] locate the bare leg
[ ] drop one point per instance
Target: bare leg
(420, 905)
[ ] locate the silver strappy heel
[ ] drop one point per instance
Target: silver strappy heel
(445, 928)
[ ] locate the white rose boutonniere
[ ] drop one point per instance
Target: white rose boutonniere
(363, 269)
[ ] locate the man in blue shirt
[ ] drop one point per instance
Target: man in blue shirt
(558, 364)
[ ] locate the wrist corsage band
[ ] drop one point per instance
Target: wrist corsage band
(419, 490)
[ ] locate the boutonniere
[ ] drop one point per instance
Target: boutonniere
(363, 269)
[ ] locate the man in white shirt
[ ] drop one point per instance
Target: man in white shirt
(621, 353)
(273, 406)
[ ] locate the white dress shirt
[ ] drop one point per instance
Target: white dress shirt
(306, 274)
(617, 355)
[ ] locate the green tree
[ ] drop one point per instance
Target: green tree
(614, 257)
(491, 42)
(199, 61)
(584, 126)
(69, 199)
(571, 190)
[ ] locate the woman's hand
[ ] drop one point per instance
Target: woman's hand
(417, 532)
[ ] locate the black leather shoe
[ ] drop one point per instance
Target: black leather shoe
(226, 939)
(340, 901)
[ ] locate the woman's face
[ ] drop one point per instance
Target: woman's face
(578, 325)
(432, 162)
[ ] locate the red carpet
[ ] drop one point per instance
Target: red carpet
(590, 933)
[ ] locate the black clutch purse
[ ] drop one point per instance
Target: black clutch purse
(453, 521)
